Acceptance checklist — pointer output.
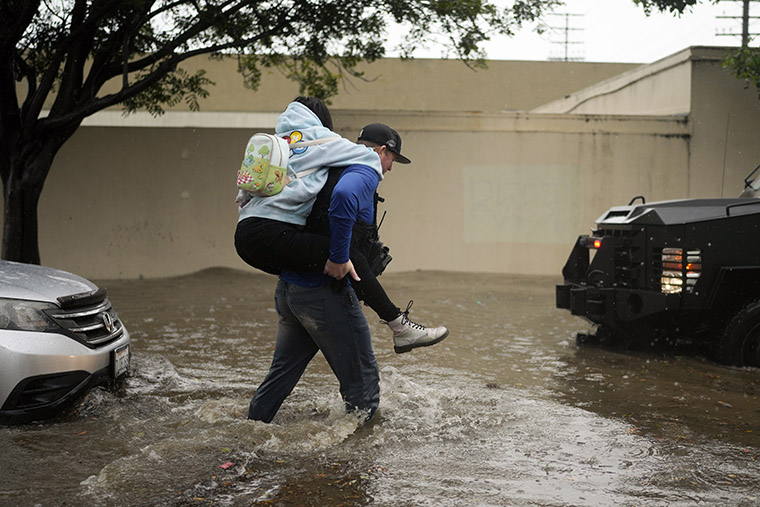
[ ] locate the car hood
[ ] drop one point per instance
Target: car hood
(39, 283)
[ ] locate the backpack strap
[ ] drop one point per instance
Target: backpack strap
(313, 142)
(305, 144)
(305, 172)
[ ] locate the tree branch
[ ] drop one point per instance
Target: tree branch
(168, 50)
(76, 115)
(16, 29)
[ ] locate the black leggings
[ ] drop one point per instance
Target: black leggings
(271, 246)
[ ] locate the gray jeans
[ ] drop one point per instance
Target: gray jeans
(312, 319)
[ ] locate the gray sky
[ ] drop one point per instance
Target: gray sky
(619, 31)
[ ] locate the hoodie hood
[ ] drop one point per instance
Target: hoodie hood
(299, 123)
(299, 117)
(294, 203)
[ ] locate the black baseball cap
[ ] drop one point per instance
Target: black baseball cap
(383, 135)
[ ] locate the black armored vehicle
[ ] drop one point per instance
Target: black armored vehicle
(672, 272)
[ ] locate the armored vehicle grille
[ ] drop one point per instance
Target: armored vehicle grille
(627, 263)
(94, 324)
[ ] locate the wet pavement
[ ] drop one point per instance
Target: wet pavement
(508, 410)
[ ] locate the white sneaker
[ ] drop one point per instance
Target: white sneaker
(408, 335)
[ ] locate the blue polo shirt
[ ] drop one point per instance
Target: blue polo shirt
(352, 199)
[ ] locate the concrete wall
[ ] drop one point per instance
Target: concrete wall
(511, 193)
(485, 192)
(725, 128)
(415, 85)
(662, 88)
(489, 190)
(724, 113)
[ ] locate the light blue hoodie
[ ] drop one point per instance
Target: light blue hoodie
(294, 203)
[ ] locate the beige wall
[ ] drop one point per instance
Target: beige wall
(725, 129)
(394, 84)
(126, 202)
(724, 114)
(416, 85)
(511, 193)
(488, 191)
(662, 88)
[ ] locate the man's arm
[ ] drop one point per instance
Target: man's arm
(351, 198)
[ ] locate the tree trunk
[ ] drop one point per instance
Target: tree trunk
(22, 186)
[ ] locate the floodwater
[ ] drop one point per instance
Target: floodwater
(506, 411)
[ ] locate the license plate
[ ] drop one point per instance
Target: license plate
(121, 358)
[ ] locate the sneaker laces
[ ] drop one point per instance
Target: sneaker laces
(407, 320)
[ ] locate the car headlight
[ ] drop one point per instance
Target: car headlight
(17, 314)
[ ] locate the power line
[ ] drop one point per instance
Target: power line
(745, 17)
(565, 31)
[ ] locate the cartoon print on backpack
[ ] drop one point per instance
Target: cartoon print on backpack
(263, 169)
(263, 172)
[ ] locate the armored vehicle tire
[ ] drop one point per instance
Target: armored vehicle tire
(739, 345)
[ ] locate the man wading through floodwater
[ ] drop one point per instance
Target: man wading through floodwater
(316, 314)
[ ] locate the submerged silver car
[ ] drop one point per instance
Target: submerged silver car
(59, 337)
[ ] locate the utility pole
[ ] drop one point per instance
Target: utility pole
(745, 22)
(566, 42)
